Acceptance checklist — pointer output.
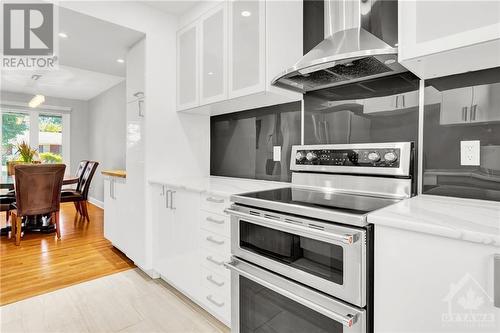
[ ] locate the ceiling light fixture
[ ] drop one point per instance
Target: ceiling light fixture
(246, 13)
(36, 101)
(120, 60)
(63, 35)
(210, 73)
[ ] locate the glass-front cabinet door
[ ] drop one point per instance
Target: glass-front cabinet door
(246, 47)
(187, 67)
(213, 62)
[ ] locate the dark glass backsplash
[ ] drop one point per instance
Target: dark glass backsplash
(242, 143)
(462, 107)
(381, 110)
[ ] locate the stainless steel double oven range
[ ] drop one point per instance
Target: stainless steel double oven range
(303, 255)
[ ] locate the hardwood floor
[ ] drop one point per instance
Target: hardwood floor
(42, 263)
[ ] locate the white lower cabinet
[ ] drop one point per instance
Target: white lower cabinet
(190, 246)
(429, 283)
(115, 198)
(175, 255)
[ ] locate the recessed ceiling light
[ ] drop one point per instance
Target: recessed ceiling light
(210, 73)
(36, 101)
(120, 60)
(246, 13)
(63, 35)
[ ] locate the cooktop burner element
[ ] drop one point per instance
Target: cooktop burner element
(355, 204)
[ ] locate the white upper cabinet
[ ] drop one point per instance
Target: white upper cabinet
(136, 71)
(234, 50)
(247, 36)
(187, 67)
(439, 38)
(391, 103)
(213, 41)
(456, 106)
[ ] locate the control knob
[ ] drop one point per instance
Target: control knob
(311, 156)
(390, 157)
(300, 156)
(374, 156)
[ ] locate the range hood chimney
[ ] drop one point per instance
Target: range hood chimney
(361, 44)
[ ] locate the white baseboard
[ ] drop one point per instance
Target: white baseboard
(96, 202)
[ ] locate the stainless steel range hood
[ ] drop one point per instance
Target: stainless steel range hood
(361, 45)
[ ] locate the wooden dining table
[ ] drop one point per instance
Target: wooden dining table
(7, 182)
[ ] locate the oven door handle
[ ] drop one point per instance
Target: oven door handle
(347, 320)
(288, 227)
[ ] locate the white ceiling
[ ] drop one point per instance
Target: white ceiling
(94, 44)
(171, 7)
(66, 82)
(87, 60)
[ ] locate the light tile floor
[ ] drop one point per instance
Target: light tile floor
(124, 302)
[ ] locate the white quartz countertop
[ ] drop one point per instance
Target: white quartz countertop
(222, 186)
(466, 219)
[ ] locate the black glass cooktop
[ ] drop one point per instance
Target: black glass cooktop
(348, 203)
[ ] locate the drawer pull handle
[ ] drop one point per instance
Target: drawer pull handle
(215, 200)
(211, 279)
(212, 260)
(211, 300)
(211, 219)
(212, 240)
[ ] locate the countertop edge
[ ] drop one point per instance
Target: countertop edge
(387, 217)
(115, 173)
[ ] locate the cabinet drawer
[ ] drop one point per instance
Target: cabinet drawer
(216, 284)
(217, 303)
(215, 242)
(219, 224)
(215, 261)
(214, 203)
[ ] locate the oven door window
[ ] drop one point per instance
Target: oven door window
(263, 310)
(315, 257)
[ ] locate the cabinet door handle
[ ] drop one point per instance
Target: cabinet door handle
(473, 112)
(464, 113)
(211, 300)
(404, 102)
(211, 219)
(496, 280)
(215, 200)
(211, 279)
(166, 199)
(397, 100)
(112, 189)
(212, 260)
(172, 200)
(213, 240)
(140, 104)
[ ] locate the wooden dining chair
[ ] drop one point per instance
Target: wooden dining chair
(38, 192)
(78, 181)
(79, 196)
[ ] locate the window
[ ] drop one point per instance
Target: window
(50, 148)
(47, 132)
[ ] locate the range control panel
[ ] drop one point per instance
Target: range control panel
(379, 157)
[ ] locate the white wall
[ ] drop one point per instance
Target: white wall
(107, 134)
(182, 140)
(79, 131)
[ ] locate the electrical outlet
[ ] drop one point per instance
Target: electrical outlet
(276, 153)
(470, 152)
